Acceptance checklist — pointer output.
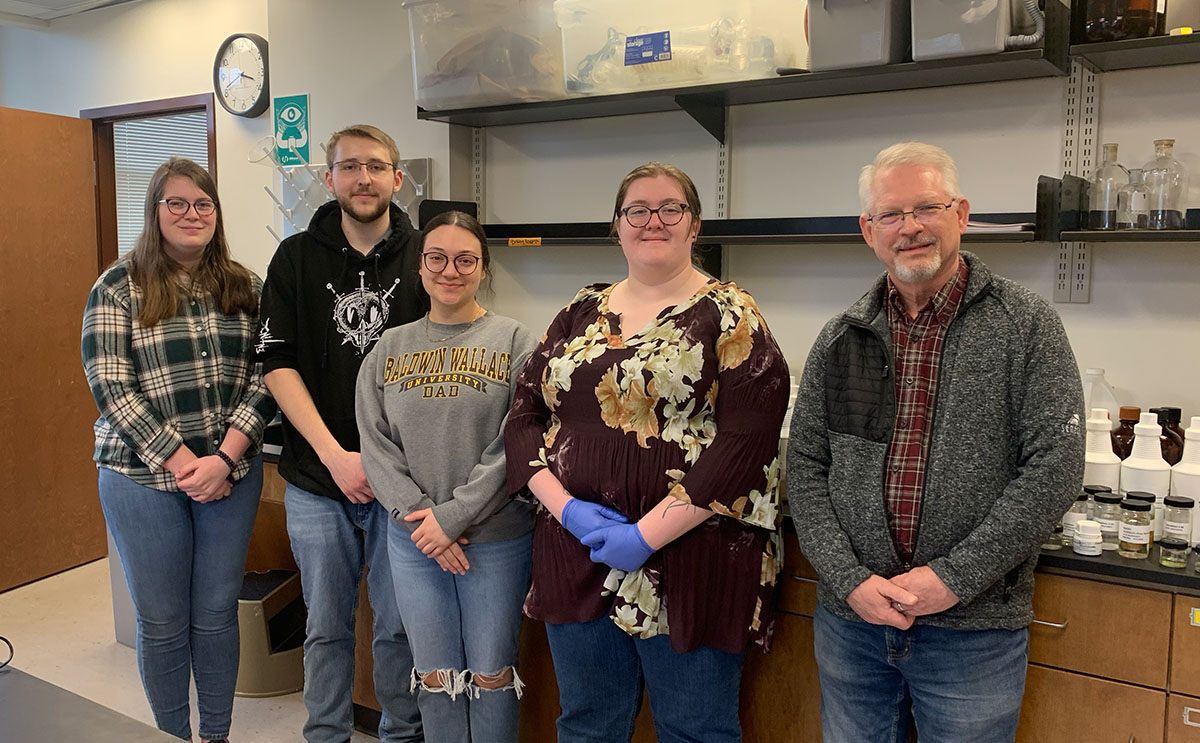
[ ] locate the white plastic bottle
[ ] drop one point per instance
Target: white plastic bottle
(1097, 394)
(1101, 465)
(1145, 469)
(1185, 476)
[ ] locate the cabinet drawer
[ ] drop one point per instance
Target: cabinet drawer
(1183, 719)
(1102, 629)
(798, 581)
(1185, 646)
(1064, 706)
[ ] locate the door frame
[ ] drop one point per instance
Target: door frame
(106, 171)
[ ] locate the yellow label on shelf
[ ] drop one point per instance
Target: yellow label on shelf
(1195, 616)
(524, 242)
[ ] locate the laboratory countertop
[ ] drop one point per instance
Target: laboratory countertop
(1109, 566)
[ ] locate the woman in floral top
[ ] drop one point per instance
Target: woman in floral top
(647, 424)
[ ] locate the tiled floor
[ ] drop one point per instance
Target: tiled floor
(62, 630)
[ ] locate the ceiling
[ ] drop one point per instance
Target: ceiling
(39, 13)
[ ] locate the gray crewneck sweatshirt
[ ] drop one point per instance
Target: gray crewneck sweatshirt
(431, 403)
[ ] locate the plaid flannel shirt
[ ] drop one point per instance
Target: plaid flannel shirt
(918, 345)
(185, 381)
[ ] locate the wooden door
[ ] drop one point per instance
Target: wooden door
(50, 516)
(1065, 706)
(1185, 646)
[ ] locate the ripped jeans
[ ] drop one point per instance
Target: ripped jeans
(461, 627)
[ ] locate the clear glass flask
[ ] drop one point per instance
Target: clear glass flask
(1133, 203)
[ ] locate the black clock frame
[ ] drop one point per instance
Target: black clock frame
(264, 98)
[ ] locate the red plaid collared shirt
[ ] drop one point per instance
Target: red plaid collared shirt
(917, 343)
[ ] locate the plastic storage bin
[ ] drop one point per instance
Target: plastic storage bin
(957, 28)
(616, 46)
(469, 53)
(854, 33)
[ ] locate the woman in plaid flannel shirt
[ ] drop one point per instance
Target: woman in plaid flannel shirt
(168, 337)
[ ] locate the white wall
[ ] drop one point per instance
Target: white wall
(147, 51)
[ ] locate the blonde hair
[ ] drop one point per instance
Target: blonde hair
(908, 153)
(156, 273)
(366, 131)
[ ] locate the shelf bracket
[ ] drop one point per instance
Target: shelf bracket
(708, 110)
(1081, 104)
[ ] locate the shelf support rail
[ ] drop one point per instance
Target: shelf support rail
(1073, 272)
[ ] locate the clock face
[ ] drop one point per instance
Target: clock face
(240, 75)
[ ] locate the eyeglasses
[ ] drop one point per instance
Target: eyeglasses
(668, 214)
(465, 263)
(179, 207)
(374, 167)
(925, 214)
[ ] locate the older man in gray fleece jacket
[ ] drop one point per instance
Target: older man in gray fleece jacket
(935, 441)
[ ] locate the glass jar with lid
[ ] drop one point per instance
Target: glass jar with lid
(1133, 203)
(1134, 535)
(1108, 514)
(1108, 180)
(1150, 498)
(1177, 517)
(1092, 491)
(1173, 553)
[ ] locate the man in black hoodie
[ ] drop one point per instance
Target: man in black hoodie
(330, 293)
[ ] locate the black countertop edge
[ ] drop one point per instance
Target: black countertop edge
(1113, 568)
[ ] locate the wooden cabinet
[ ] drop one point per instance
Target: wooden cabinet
(1185, 646)
(781, 692)
(1183, 719)
(1102, 634)
(1064, 706)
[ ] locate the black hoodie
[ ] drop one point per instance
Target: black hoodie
(324, 305)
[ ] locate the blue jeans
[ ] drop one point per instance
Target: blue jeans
(461, 626)
(600, 671)
(331, 540)
(184, 562)
(956, 685)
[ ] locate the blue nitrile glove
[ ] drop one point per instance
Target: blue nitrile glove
(621, 547)
(581, 517)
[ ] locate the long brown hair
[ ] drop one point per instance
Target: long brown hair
(217, 275)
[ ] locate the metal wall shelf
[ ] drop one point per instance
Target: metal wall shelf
(767, 231)
(707, 103)
(1156, 51)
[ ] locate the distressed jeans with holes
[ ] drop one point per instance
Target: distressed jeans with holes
(461, 625)
(331, 540)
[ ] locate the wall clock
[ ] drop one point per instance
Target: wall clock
(240, 75)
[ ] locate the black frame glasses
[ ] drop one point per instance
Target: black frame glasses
(643, 214)
(925, 214)
(464, 263)
(376, 168)
(179, 207)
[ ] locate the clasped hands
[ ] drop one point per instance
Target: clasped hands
(607, 533)
(431, 539)
(204, 479)
(898, 601)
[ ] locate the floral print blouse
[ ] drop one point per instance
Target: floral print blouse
(689, 406)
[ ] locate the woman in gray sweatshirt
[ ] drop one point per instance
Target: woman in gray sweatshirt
(431, 403)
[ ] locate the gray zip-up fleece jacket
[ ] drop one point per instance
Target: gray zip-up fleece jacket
(431, 420)
(1005, 458)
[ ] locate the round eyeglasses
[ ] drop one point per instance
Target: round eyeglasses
(668, 214)
(465, 263)
(925, 214)
(179, 207)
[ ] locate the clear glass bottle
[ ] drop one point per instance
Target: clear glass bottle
(1167, 184)
(1177, 517)
(1150, 500)
(1133, 203)
(1076, 513)
(1054, 540)
(1108, 515)
(1134, 535)
(1110, 178)
(1092, 491)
